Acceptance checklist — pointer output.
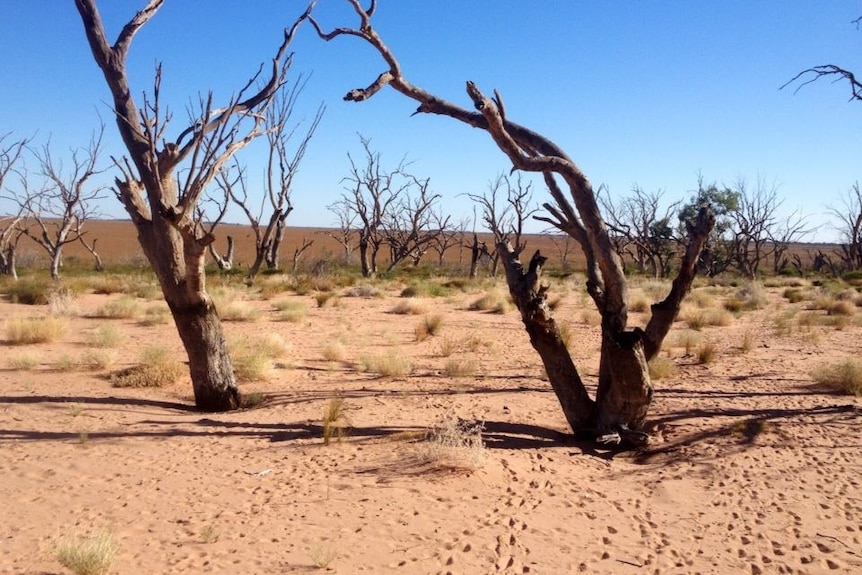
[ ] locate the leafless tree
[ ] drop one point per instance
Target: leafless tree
(64, 200)
(449, 236)
(848, 219)
(754, 219)
(413, 223)
(345, 231)
(505, 216)
(624, 387)
(268, 220)
(161, 198)
(372, 194)
(792, 230)
(12, 225)
(642, 230)
(565, 246)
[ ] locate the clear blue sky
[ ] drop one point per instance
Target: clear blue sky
(647, 93)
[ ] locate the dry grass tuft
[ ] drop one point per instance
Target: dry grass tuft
(290, 310)
(410, 307)
(125, 307)
(238, 310)
(335, 420)
(105, 336)
(428, 327)
(686, 339)
(844, 377)
(841, 307)
(706, 353)
(493, 301)
(25, 331)
(22, 362)
(90, 555)
(334, 351)
(61, 303)
(363, 291)
(389, 365)
(460, 368)
(253, 357)
(155, 315)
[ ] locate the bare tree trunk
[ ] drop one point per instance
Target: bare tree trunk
(97, 259)
(9, 266)
(179, 266)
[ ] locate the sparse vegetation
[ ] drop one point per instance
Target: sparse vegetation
(157, 369)
(253, 356)
(291, 310)
(26, 331)
(88, 555)
(843, 377)
(22, 362)
(493, 301)
(322, 556)
(105, 336)
(124, 307)
(706, 353)
(392, 364)
(460, 368)
(335, 420)
(428, 327)
(409, 307)
(334, 351)
(238, 310)
(454, 443)
(662, 367)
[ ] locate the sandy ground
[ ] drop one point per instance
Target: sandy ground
(753, 470)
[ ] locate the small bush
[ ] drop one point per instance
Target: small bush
(428, 327)
(335, 420)
(155, 370)
(25, 331)
(253, 356)
(686, 339)
(90, 555)
(749, 297)
(662, 367)
(795, 295)
(252, 400)
(29, 291)
(97, 359)
(61, 303)
(639, 305)
(844, 377)
(747, 343)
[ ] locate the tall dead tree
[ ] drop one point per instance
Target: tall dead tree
(162, 181)
(269, 219)
(624, 388)
(64, 201)
(372, 193)
(345, 233)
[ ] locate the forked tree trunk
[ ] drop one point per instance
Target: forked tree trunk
(223, 262)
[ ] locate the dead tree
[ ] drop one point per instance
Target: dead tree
(505, 217)
(448, 236)
(409, 227)
(848, 221)
(60, 207)
(12, 226)
(269, 219)
(642, 230)
(97, 259)
(345, 234)
(372, 195)
(624, 388)
(162, 181)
